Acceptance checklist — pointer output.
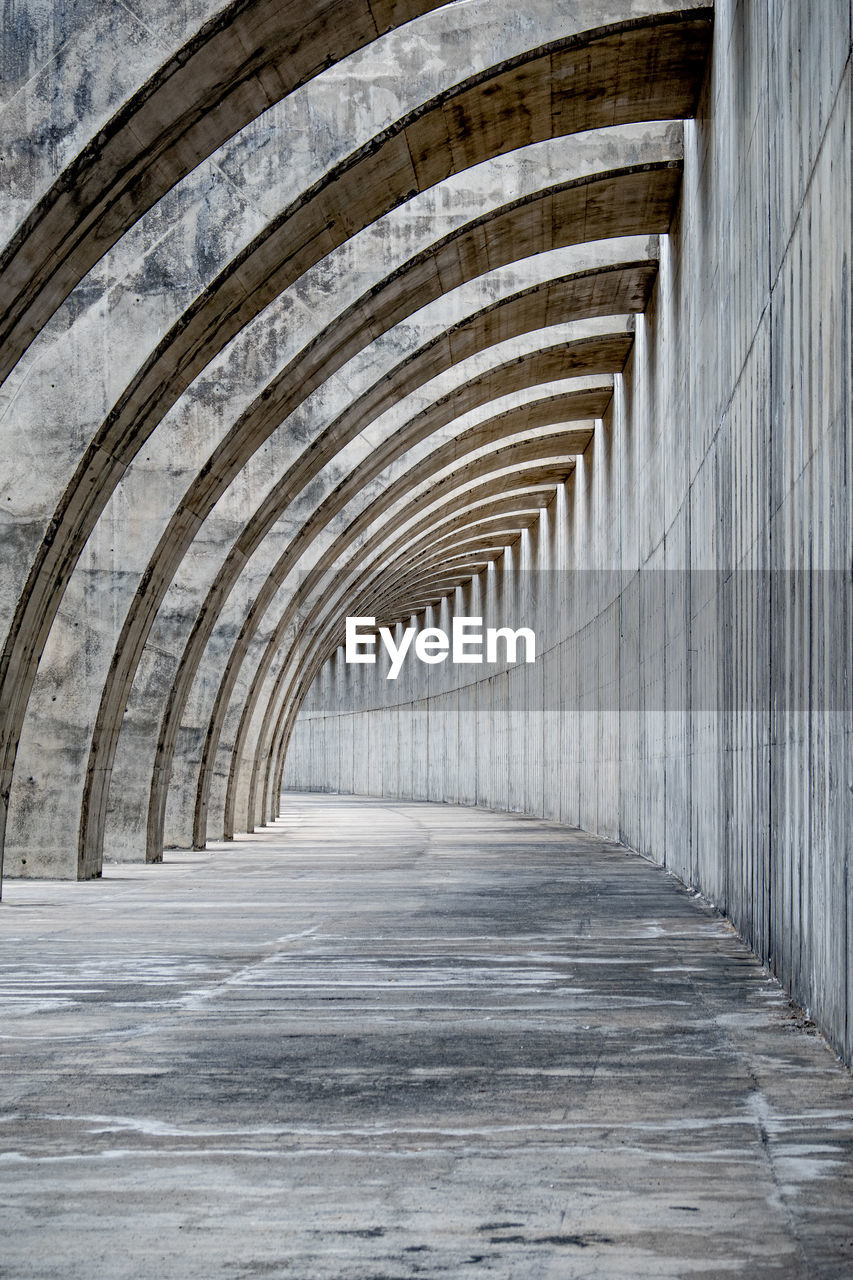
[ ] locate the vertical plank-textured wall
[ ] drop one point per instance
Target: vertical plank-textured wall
(693, 698)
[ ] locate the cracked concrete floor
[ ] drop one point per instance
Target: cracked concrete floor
(380, 1040)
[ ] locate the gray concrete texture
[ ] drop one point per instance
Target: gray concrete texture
(726, 449)
(297, 297)
(52, 754)
(389, 1039)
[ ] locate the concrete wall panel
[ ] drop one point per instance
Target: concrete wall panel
(700, 708)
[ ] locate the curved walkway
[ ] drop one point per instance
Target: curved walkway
(381, 1040)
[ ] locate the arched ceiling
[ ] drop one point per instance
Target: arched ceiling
(406, 484)
(249, 56)
(536, 453)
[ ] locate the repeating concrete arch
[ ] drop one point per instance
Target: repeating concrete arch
(389, 585)
(407, 574)
(436, 536)
(504, 524)
(635, 200)
(500, 529)
(435, 579)
(416, 544)
(437, 583)
(479, 536)
(427, 579)
(504, 494)
(474, 481)
(128, 813)
(472, 513)
(603, 353)
(298, 380)
(373, 585)
(164, 272)
(606, 291)
(518, 507)
(496, 492)
(414, 569)
(246, 58)
(406, 158)
(568, 406)
(539, 438)
(611, 290)
(416, 583)
(265, 777)
(387, 582)
(406, 607)
(591, 292)
(413, 602)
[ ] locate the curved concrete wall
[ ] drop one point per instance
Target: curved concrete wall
(362, 305)
(693, 699)
(195, 368)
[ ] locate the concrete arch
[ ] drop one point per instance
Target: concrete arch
(411, 567)
(362, 596)
(500, 529)
(436, 589)
(636, 200)
(481, 536)
(437, 583)
(463, 503)
(504, 492)
(497, 499)
(531, 471)
(568, 406)
(598, 291)
(426, 580)
(249, 56)
(609, 291)
(532, 418)
(413, 585)
(478, 508)
(622, 56)
(584, 293)
(574, 405)
(372, 589)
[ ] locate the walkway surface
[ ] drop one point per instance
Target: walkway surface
(378, 1041)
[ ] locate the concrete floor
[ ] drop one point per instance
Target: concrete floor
(394, 1040)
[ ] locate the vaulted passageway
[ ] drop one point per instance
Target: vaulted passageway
(397, 1039)
(538, 316)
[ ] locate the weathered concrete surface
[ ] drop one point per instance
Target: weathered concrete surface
(59, 88)
(193, 103)
(697, 706)
(726, 752)
(403, 1040)
(189, 475)
(650, 69)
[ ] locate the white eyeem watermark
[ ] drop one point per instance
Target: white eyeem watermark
(465, 644)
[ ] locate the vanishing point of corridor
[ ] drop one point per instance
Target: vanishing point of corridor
(381, 1040)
